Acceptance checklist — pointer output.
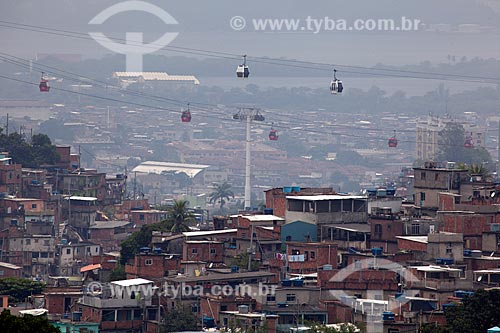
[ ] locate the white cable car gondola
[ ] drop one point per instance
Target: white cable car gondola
(242, 70)
(336, 86)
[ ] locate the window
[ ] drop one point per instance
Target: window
(357, 264)
(28, 241)
(212, 251)
(194, 251)
(295, 252)
(148, 262)
(378, 230)
(436, 177)
(422, 196)
(415, 229)
(290, 297)
(422, 175)
(223, 307)
(46, 242)
(271, 298)
(448, 248)
(33, 206)
(288, 239)
(313, 255)
(141, 217)
(306, 255)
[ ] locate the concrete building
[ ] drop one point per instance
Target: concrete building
(327, 211)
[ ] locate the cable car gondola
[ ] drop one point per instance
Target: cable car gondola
(44, 84)
(242, 70)
(273, 134)
(393, 142)
(186, 115)
(336, 86)
(469, 143)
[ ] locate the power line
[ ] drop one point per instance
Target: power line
(272, 61)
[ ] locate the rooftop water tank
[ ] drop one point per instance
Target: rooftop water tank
(387, 316)
(268, 211)
(243, 308)
(377, 251)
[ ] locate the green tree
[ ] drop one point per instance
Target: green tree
(25, 324)
(451, 147)
(180, 216)
(19, 289)
(118, 273)
(221, 192)
(179, 319)
(476, 313)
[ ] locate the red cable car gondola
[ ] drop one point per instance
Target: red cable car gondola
(469, 143)
(273, 135)
(393, 142)
(186, 115)
(44, 84)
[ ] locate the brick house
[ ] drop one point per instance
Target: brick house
(314, 256)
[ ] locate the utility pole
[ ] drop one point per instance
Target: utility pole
(249, 115)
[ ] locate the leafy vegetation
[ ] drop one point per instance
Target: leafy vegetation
(25, 324)
(221, 192)
(31, 155)
(451, 147)
(178, 219)
(19, 289)
(476, 314)
(179, 319)
(118, 273)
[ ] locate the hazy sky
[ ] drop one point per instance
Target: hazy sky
(208, 27)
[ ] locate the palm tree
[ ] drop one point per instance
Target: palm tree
(221, 192)
(180, 216)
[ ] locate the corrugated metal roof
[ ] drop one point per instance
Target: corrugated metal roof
(159, 167)
(90, 268)
(324, 197)
(156, 76)
(261, 218)
(132, 282)
(208, 233)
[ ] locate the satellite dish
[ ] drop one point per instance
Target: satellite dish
(479, 278)
(493, 194)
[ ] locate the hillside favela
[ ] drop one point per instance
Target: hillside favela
(250, 166)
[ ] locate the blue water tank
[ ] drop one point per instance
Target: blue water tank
(387, 316)
(145, 250)
(377, 251)
(287, 189)
(467, 252)
(235, 269)
(295, 188)
(157, 250)
(268, 211)
(297, 283)
(286, 283)
(64, 241)
(281, 305)
(391, 192)
(463, 293)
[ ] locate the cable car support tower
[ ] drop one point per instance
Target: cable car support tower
(249, 115)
